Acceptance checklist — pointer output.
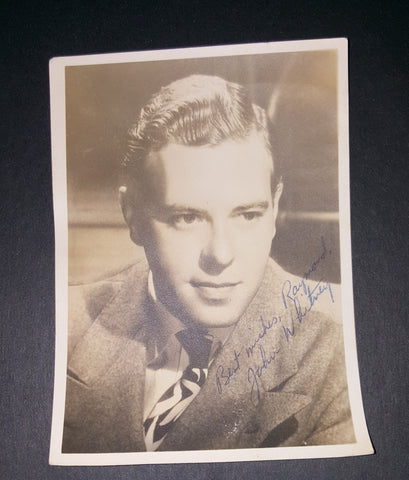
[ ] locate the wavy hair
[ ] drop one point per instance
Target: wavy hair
(198, 110)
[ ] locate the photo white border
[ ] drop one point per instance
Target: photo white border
(363, 445)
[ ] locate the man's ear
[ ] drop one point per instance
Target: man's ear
(276, 200)
(130, 215)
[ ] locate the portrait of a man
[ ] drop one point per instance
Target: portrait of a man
(200, 306)
(173, 355)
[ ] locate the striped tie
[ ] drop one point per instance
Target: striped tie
(175, 400)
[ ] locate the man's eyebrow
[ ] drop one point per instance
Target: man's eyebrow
(163, 211)
(180, 207)
(252, 206)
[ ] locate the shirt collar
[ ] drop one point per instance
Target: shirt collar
(169, 325)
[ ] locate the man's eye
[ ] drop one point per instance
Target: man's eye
(189, 218)
(185, 219)
(251, 215)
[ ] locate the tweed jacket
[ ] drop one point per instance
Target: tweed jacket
(279, 379)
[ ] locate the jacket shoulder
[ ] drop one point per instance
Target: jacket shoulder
(87, 301)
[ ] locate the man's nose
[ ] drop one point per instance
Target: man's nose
(218, 253)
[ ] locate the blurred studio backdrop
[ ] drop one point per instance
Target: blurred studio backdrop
(299, 92)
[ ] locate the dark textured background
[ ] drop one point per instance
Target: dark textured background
(33, 32)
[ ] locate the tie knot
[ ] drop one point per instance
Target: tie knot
(197, 344)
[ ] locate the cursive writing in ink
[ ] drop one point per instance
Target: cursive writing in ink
(224, 375)
(253, 374)
(265, 326)
(317, 261)
(291, 294)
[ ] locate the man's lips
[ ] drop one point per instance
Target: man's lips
(214, 290)
(197, 283)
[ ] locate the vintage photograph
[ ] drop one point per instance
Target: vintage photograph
(204, 303)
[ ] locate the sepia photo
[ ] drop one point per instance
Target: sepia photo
(204, 304)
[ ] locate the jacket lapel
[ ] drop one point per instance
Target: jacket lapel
(109, 363)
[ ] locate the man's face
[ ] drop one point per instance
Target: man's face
(210, 225)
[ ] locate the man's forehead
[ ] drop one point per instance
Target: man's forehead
(251, 150)
(239, 170)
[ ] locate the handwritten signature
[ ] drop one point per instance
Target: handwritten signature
(265, 327)
(293, 294)
(224, 375)
(300, 297)
(301, 310)
(314, 265)
(253, 374)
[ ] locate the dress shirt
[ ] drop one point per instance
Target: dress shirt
(166, 359)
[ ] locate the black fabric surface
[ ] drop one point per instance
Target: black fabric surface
(32, 33)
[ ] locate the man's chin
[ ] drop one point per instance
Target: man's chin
(214, 320)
